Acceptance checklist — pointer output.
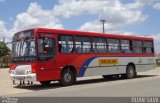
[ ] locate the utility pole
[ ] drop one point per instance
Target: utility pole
(103, 21)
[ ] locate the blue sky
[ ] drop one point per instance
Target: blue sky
(10, 8)
(150, 25)
(139, 17)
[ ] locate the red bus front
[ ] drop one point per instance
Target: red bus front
(34, 57)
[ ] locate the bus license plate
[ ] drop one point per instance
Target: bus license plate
(20, 78)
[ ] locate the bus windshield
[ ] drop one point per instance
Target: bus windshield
(23, 49)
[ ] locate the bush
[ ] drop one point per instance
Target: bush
(158, 62)
(5, 61)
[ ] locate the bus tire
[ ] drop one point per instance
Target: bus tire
(45, 82)
(130, 72)
(67, 77)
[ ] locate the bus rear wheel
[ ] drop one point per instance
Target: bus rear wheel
(67, 77)
(130, 72)
(45, 82)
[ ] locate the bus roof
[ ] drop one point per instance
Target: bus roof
(73, 32)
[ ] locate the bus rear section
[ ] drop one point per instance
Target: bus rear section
(47, 55)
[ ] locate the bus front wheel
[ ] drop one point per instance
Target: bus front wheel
(67, 77)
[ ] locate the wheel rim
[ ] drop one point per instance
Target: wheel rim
(67, 77)
(131, 72)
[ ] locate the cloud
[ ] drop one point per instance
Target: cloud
(136, 5)
(68, 8)
(4, 33)
(35, 16)
(116, 14)
(2, 0)
(96, 26)
(157, 6)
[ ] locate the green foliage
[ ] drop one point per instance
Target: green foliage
(4, 50)
(158, 62)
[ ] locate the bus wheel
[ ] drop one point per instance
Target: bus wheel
(67, 77)
(45, 82)
(130, 72)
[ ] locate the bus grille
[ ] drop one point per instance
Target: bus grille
(20, 72)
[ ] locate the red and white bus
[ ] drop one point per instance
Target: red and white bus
(47, 55)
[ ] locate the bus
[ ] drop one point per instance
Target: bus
(45, 55)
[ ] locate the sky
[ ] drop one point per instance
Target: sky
(126, 17)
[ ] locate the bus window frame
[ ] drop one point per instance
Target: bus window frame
(136, 46)
(90, 38)
(73, 43)
(46, 35)
(119, 46)
(130, 46)
(105, 39)
(152, 47)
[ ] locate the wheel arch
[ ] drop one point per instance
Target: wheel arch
(71, 67)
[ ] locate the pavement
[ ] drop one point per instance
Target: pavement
(146, 84)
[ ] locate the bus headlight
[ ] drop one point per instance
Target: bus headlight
(28, 71)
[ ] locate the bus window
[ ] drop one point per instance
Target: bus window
(113, 46)
(99, 45)
(125, 46)
(65, 44)
(83, 44)
(137, 46)
(46, 49)
(148, 47)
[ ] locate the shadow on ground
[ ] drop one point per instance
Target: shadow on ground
(55, 85)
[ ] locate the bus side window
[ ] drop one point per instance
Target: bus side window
(99, 45)
(46, 49)
(113, 46)
(137, 46)
(83, 44)
(65, 44)
(125, 46)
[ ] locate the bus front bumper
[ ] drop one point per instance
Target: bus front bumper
(27, 77)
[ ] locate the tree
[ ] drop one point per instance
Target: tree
(4, 50)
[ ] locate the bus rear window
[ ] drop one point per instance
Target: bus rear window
(148, 47)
